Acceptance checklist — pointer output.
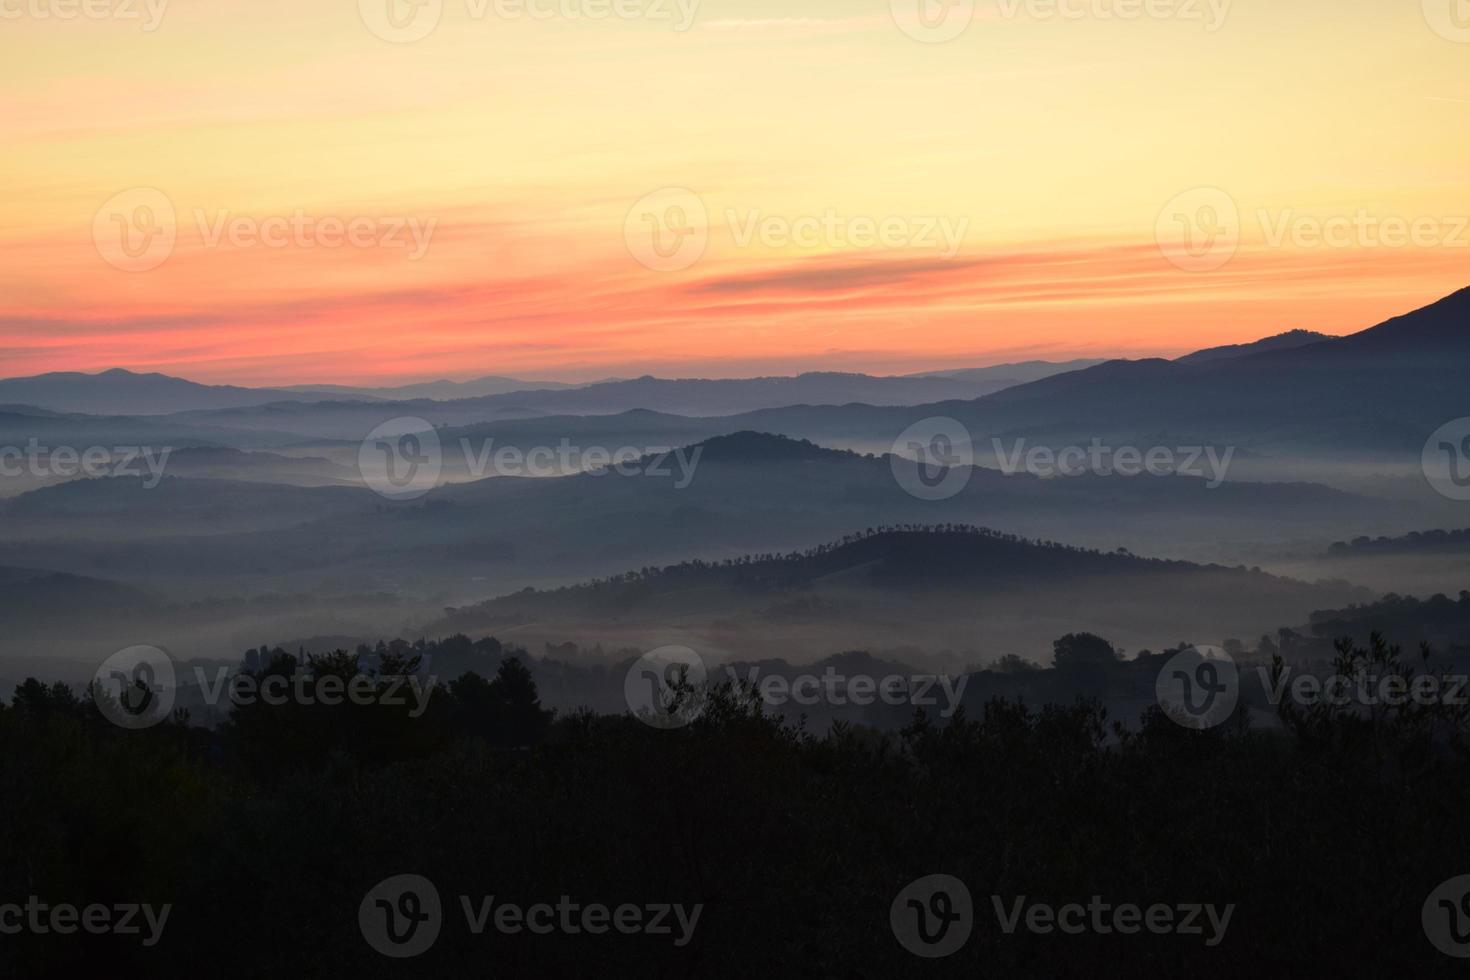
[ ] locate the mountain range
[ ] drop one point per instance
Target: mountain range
(122, 392)
(966, 590)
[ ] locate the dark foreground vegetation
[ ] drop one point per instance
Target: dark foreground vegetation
(266, 834)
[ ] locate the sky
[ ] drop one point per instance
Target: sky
(272, 192)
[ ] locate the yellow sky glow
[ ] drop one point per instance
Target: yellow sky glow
(861, 200)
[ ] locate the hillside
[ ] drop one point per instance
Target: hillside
(975, 593)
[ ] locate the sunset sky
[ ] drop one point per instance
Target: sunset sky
(538, 155)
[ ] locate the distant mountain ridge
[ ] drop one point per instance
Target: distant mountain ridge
(891, 586)
(999, 376)
(441, 390)
(1386, 387)
(1281, 341)
(121, 392)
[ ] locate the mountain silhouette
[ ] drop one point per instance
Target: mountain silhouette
(940, 587)
(1281, 341)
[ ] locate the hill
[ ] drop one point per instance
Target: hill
(1281, 341)
(972, 592)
